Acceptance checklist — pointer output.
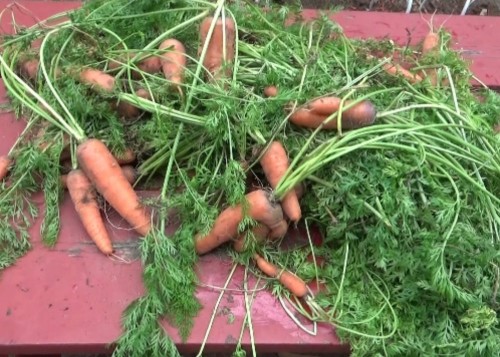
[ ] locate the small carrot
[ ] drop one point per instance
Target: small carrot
(173, 62)
(398, 70)
(5, 164)
(271, 91)
(128, 156)
(150, 64)
(290, 281)
(97, 79)
(259, 233)
(275, 163)
(84, 198)
(29, 68)
(430, 42)
(221, 47)
(259, 207)
(105, 173)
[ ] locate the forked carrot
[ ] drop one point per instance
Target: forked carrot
(275, 163)
(259, 233)
(290, 281)
(259, 207)
(222, 41)
(105, 173)
(5, 164)
(84, 198)
(173, 62)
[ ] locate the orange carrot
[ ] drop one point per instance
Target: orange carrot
(97, 79)
(173, 62)
(104, 172)
(223, 40)
(84, 198)
(271, 91)
(126, 157)
(290, 281)
(259, 233)
(275, 163)
(259, 207)
(128, 170)
(398, 70)
(5, 163)
(150, 64)
(127, 110)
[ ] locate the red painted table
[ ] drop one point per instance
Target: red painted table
(70, 299)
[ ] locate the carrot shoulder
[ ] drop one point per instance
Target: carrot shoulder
(105, 173)
(275, 163)
(258, 206)
(84, 198)
(290, 281)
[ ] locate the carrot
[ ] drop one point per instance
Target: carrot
(97, 79)
(150, 64)
(105, 173)
(126, 157)
(398, 70)
(29, 68)
(271, 91)
(259, 232)
(279, 231)
(430, 42)
(225, 227)
(275, 163)
(5, 163)
(127, 110)
(128, 170)
(224, 33)
(84, 198)
(173, 62)
(290, 281)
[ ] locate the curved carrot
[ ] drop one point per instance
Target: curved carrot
(290, 281)
(5, 164)
(105, 173)
(223, 39)
(259, 233)
(259, 207)
(84, 198)
(173, 62)
(275, 163)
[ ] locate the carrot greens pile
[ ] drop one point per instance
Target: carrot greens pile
(389, 151)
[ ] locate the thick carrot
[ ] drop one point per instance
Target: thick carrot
(5, 163)
(259, 233)
(290, 281)
(259, 207)
(271, 91)
(105, 173)
(128, 170)
(398, 70)
(84, 198)
(127, 110)
(97, 79)
(222, 41)
(128, 156)
(275, 163)
(173, 62)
